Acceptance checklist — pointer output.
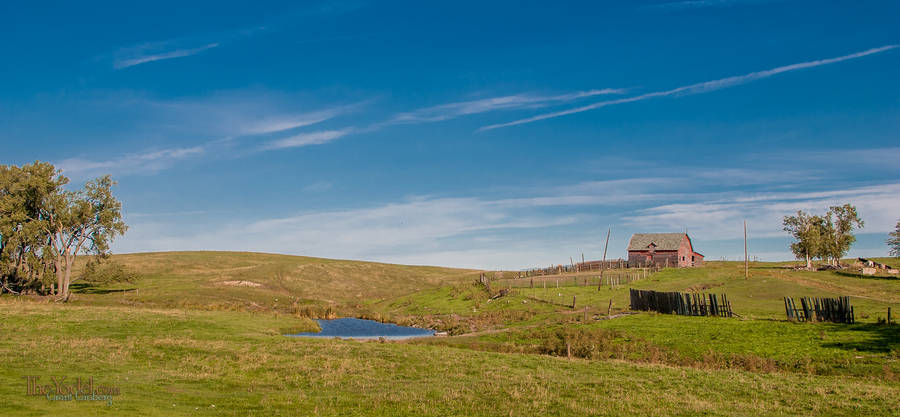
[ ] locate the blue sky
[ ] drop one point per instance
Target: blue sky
(480, 134)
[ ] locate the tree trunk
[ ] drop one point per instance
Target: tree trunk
(60, 276)
(68, 276)
(808, 261)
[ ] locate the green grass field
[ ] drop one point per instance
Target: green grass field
(180, 340)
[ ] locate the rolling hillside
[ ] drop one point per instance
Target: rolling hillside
(170, 341)
(258, 281)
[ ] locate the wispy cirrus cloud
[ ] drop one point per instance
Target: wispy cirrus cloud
(142, 55)
(177, 47)
(273, 123)
(698, 88)
(319, 186)
(181, 47)
(436, 114)
(148, 161)
(240, 113)
(720, 215)
(513, 102)
(227, 124)
(307, 139)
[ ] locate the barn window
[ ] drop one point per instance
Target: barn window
(682, 258)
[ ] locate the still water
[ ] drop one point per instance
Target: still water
(365, 329)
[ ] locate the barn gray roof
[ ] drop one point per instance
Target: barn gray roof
(663, 241)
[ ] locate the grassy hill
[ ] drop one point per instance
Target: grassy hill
(259, 281)
(200, 333)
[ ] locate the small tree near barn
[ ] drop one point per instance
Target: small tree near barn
(893, 241)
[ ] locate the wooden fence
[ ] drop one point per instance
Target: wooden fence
(835, 310)
(589, 266)
(681, 304)
(614, 278)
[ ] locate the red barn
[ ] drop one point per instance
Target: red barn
(673, 249)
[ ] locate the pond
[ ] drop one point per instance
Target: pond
(365, 329)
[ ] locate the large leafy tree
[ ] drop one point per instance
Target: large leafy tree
(827, 237)
(84, 221)
(44, 227)
(893, 241)
(24, 259)
(808, 231)
(840, 223)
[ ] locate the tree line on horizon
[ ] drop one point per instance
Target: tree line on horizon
(44, 227)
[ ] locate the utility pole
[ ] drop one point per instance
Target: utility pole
(746, 259)
(607, 244)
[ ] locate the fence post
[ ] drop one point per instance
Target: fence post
(889, 316)
(573, 302)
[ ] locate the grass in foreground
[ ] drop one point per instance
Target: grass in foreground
(179, 362)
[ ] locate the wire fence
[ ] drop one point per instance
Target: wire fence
(614, 278)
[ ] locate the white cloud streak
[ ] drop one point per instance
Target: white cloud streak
(319, 186)
(697, 88)
(193, 45)
(176, 48)
(177, 53)
(718, 217)
(234, 114)
(307, 139)
(513, 102)
(425, 115)
(274, 124)
(144, 162)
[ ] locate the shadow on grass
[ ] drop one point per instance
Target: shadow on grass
(881, 337)
(861, 276)
(87, 288)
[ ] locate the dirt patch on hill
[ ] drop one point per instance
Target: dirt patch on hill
(241, 284)
(702, 287)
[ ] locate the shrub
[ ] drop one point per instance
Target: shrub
(97, 272)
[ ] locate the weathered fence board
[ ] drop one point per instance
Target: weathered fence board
(681, 304)
(835, 310)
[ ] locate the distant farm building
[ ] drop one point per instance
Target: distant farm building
(672, 249)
